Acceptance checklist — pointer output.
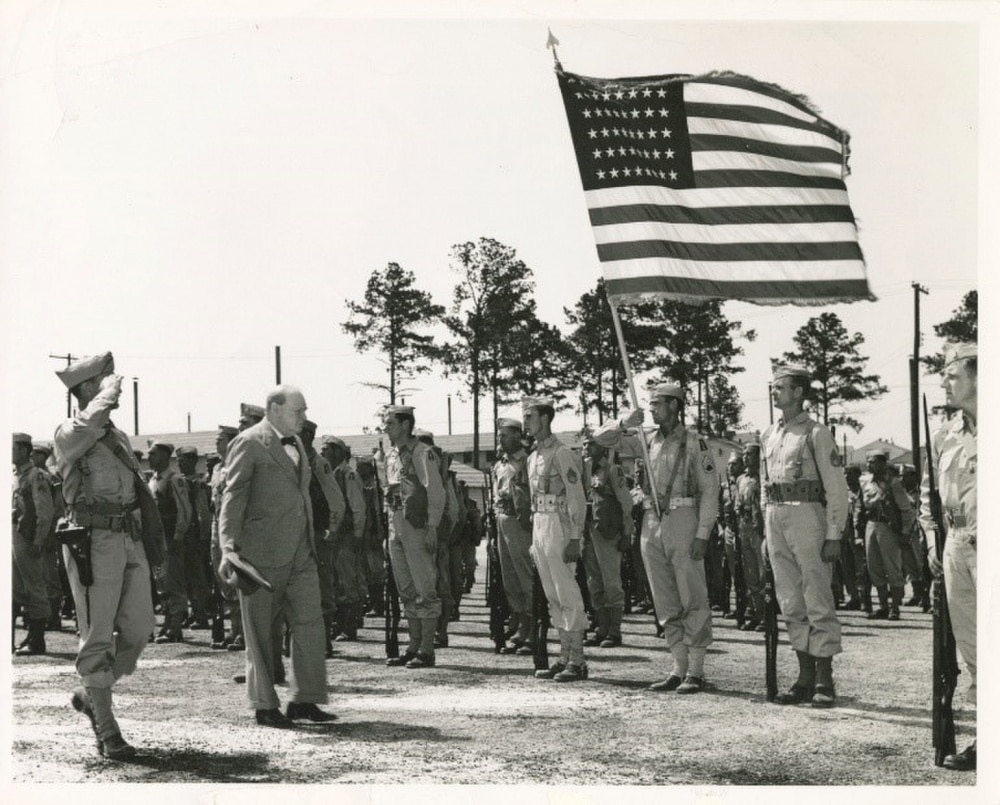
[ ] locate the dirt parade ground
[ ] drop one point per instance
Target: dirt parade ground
(480, 718)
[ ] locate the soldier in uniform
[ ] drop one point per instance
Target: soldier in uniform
(559, 509)
(50, 551)
(33, 515)
(234, 639)
(328, 513)
(373, 560)
(854, 530)
(751, 524)
(889, 516)
(913, 550)
(512, 508)
(804, 495)
(609, 532)
(104, 493)
(173, 501)
(681, 500)
(414, 504)
(730, 528)
(348, 541)
(955, 464)
(197, 539)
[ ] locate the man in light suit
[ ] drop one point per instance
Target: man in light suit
(266, 518)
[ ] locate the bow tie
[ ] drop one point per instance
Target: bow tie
(288, 440)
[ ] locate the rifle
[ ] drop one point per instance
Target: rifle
(495, 598)
(390, 603)
(736, 572)
(770, 632)
(945, 661)
(540, 612)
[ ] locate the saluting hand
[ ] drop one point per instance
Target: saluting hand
(632, 419)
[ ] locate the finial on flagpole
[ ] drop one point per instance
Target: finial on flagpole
(551, 43)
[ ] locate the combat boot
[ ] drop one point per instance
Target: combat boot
(882, 612)
(897, 599)
(918, 593)
(559, 665)
(35, 642)
(824, 695)
(576, 668)
(601, 632)
(441, 632)
(614, 624)
(172, 631)
(805, 685)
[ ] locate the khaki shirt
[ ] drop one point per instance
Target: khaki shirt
(954, 452)
(554, 470)
(428, 472)
(804, 450)
(355, 499)
(510, 482)
(31, 483)
(323, 473)
(881, 496)
(170, 482)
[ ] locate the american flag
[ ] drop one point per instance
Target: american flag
(717, 186)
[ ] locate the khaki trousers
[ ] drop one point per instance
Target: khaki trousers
(960, 583)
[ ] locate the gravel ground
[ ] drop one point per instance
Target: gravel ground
(481, 718)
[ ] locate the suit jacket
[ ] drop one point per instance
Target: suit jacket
(266, 507)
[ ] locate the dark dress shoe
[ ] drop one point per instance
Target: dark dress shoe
(672, 682)
(796, 695)
(691, 684)
(170, 637)
(421, 660)
(240, 679)
(590, 642)
(402, 659)
(114, 747)
(611, 641)
(307, 710)
(274, 718)
(550, 672)
(825, 696)
(963, 761)
(879, 615)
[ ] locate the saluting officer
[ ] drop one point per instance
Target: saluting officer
(414, 503)
(512, 508)
(174, 504)
(683, 482)
(559, 513)
(955, 467)
(805, 508)
(32, 520)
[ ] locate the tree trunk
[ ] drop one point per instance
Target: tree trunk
(474, 364)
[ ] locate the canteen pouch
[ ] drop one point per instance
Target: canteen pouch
(77, 540)
(414, 501)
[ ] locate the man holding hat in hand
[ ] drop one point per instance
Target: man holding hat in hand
(804, 495)
(681, 502)
(104, 494)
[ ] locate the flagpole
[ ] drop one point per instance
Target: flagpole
(551, 44)
(635, 404)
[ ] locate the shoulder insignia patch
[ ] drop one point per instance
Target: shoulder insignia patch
(702, 445)
(835, 459)
(706, 463)
(571, 475)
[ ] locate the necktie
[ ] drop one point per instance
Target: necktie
(288, 440)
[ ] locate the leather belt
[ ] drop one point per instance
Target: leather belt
(549, 503)
(668, 504)
(803, 491)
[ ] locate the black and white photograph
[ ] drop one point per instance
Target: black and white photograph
(575, 401)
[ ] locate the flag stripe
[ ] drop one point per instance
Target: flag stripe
(802, 153)
(761, 178)
(760, 132)
(713, 216)
(731, 252)
(763, 270)
(753, 114)
(725, 233)
(707, 91)
(734, 160)
(714, 197)
(776, 292)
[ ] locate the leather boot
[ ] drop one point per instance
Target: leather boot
(35, 642)
(918, 593)
(601, 632)
(804, 687)
(614, 627)
(825, 695)
(576, 668)
(882, 612)
(441, 631)
(897, 599)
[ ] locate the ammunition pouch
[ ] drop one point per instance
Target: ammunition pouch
(505, 506)
(78, 540)
(106, 516)
(802, 491)
(549, 503)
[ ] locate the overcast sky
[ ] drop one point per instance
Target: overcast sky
(190, 184)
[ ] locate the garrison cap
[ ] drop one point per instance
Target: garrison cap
(537, 402)
(908, 469)
(421, 432)
(309, 427)
(86, 368)
(790, 370)
(165, 446)
(664, 390)
(369, 460)
(187, 451)
(508, 422)
(334, 441)
(959, 351)
(878, 453)
(22, 438)
(735, 457)
(228, 430)
(397, 409)
(41, 448)
(252, 412)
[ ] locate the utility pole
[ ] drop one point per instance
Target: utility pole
(189, 421)
(770, 404)
(69, 397)
(135, 403)
(449, 415)
(277, 365)
(915, 378)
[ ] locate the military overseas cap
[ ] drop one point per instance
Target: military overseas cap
(165, 446)
(877, 453)
(959, 351)
(421, 432)
(228, 430)
(22, 438)
(663, 390)
(508, 422)
(187, 451)
(334, 441)
(41, 448)
(537, 402)
(790, 370)
(252, 412)
(397, 409)
(735, 457)
(86, 368)
(369, 460)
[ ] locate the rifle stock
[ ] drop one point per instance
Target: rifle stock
(390, 601)
(945, 660)
(495, 598)
(540, 606)
(770, 634)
